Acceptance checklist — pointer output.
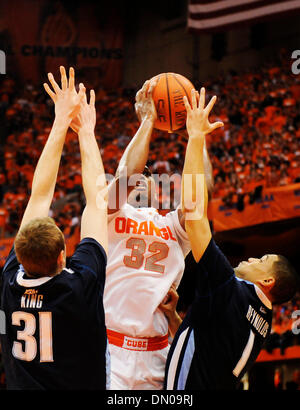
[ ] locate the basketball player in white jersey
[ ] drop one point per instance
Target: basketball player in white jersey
(145, 257)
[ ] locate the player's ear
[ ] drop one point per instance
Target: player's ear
(61, 258)
(266, 284)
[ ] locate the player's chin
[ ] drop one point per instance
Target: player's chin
(239, 271)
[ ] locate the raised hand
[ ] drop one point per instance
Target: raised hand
(67, 101)
(197, 122)
(86, 118)
(144, 106)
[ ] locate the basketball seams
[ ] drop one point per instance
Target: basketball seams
(170, 89)
(169, 103)
(181, 85)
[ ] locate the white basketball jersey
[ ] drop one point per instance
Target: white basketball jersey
(145, 256)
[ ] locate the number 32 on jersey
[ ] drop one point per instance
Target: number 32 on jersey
(137, 258)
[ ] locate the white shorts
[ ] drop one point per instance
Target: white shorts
(137, 370)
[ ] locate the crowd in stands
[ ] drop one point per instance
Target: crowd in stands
(258, 147)
(260, 144)
(285, 326)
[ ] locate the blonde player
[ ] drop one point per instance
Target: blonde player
(145, 257)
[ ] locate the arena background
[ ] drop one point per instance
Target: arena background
(114, 47)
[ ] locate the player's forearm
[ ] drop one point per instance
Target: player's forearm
(136, 154)
(208, 170)
(194, 189)
(45, 174)
(93, 174)
(196, 220)
(174, 321)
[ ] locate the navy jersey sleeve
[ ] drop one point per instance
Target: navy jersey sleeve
(214, 269)
(89, 260)
(11, 262)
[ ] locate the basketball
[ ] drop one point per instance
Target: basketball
(168, 99)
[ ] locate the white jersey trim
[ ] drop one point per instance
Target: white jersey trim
(264, 299)
(28, 283)
(69, 270)
(174, 360)
(245, 355)
(260, 294)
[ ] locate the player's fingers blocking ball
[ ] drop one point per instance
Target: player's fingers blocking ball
(168, 99)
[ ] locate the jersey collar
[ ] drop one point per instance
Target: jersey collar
(266, 301)
(29, 283)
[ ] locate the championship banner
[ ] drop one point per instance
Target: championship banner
(212, 15)
(275, 204)
(38, 36)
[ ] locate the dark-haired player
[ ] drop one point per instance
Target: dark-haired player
(55, 328)
(231, 314)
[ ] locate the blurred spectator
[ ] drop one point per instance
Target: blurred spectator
(294, 384)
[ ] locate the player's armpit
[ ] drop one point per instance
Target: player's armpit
(199, 234)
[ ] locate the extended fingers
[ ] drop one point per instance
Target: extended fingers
(53, 83)
(186, 104)
(50, 92)
(92, 98)
(71, 79)
(202, 98)
(82, 94)
(64, 80)
(210, 104)
(216, 125)
(194, 99)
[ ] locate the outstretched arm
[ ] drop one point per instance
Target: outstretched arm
(67, 105)
(135, 156)
(94, 217)
(208, 171)
(194, 189)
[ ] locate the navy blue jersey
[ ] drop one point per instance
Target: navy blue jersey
(223, 331)
(55, 327)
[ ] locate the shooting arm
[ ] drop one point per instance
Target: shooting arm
(136, 153)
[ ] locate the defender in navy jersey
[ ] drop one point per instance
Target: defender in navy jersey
(55, 325)
(56, 335)
(231, 315)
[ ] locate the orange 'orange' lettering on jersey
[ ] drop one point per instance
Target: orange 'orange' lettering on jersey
(130, 226)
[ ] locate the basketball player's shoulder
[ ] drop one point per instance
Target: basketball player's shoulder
(145, 211)
(125, 210)
(172, 215)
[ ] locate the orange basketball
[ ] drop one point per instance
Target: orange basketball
(168, 99)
